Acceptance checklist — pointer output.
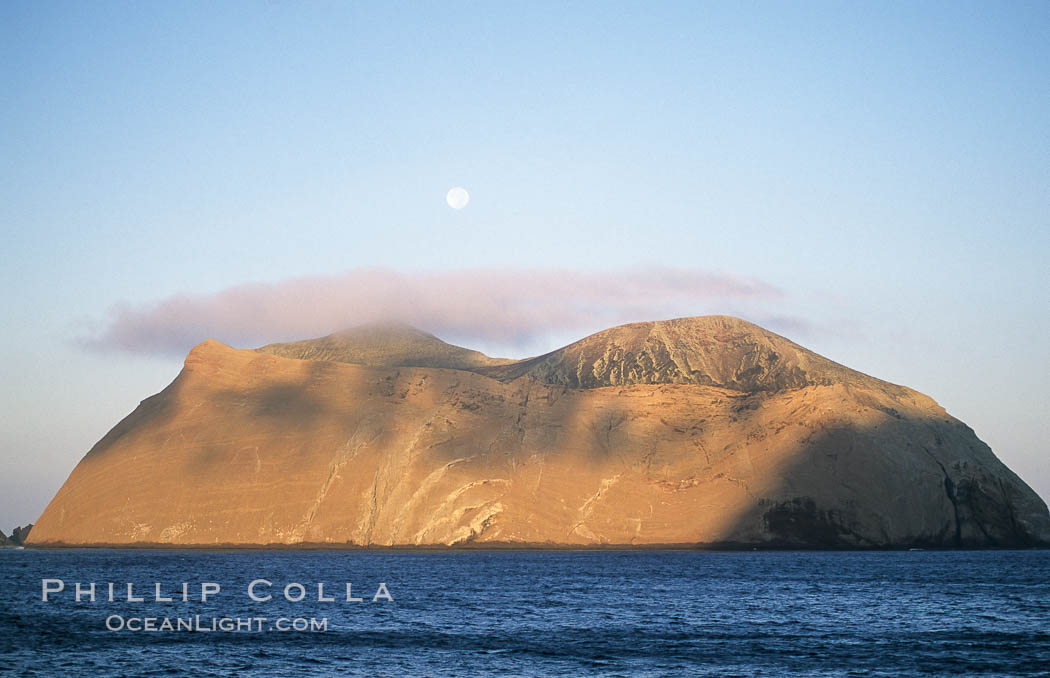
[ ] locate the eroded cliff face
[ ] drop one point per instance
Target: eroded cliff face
(685, 432)
(707, 351)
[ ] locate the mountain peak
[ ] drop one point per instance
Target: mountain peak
(384, 344)
(715, 350)
(381, 328)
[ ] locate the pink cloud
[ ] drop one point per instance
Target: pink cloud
(507, 307)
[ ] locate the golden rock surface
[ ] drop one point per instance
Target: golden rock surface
(699, 431)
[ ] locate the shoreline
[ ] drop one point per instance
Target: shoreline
(515, 547)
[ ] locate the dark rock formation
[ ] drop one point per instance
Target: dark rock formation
(20, 534)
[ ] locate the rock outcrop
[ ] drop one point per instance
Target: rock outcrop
(700, 431)
(18, 537)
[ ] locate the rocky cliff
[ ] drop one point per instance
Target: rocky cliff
(18, 537)
(699, 431)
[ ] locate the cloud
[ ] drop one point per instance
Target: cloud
(496, 307)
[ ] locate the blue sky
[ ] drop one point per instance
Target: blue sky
(884, 166)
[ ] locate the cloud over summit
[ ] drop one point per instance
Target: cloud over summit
(496, 307)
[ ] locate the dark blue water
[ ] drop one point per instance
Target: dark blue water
(532, 613)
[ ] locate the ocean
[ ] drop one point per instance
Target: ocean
(527, 613)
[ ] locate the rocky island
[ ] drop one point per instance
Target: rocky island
(705, 432)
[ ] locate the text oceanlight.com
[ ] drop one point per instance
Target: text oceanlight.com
(116, 622)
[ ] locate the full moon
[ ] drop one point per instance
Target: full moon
(457, 197)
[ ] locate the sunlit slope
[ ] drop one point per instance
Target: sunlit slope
(700, 431)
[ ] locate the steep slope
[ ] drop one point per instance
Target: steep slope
(246, 447)
(384, 345)
(708, 351)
